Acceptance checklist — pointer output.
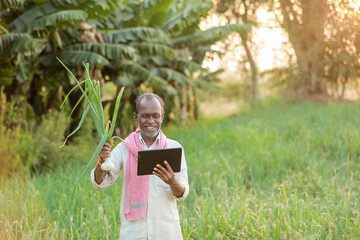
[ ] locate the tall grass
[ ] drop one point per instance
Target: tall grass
(286, 172)
(23, 214)
(281, 172)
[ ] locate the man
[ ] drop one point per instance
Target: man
(148, 203)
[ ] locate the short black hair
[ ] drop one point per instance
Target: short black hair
(148, 96)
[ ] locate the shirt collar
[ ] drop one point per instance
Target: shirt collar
(157, 140)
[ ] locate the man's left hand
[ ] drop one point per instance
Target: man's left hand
(168, 176)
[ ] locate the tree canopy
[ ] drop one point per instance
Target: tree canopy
(151, 45)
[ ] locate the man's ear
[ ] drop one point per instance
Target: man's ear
(135, 117)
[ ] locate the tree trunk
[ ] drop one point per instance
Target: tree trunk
(343, 83)
(254, 70)
(191, 111)
(304, 22)
(249, 56)
(183, 105)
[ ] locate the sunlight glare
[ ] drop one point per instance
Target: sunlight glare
(268, 39)
(355, 4)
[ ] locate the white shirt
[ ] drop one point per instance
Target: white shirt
(162, 217)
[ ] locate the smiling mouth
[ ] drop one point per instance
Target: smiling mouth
(151, 127)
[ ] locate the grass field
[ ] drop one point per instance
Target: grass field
(281, 172)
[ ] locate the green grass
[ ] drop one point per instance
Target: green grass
(23, 214)
(281, 172)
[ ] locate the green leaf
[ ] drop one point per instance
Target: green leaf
(73, 58)
(184, 64)
(96, 9)
(21, 23)
(94, 156)
(108, 50)
(95, 100)
(157, 13)
(77, 85)
(148, 48)
(2, 28)
(115, 113)
(170, 74)
(7, 70)
(11, 4)
(79, 125)
(67, 17)
(139, 71)
(152, 12)
(13, 43)
(136, 34)
(188, 17)
(78, 102)
(99, 103)
(209, 36)
(96, 118)
(32, 45)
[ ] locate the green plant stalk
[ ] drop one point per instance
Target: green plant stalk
(107, 165)
(93, 103)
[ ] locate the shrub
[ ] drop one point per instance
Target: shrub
(10, 159)
(41, 147)
(43, 152)
(36, 149)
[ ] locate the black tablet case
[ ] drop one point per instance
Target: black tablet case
(147, 160)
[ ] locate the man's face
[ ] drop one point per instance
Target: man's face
(149, 118)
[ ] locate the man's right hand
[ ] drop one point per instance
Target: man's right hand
(106, 151)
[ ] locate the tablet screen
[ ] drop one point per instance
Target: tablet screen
(147, 160)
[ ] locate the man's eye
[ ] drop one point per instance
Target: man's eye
(156, 115)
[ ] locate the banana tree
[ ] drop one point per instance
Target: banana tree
(170, 47)
(33, 33)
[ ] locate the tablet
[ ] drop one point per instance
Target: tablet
(147, 160)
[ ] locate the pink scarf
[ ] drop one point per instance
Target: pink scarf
(137, 187)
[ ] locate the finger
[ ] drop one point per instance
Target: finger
(158, 171)
(107, 145)
(165, 174)
(161, 168)
(104, 156)
(168, 167)
(105, 149)
(105, 152)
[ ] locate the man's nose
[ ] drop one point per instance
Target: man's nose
(150, 118)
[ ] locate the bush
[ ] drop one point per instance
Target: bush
(37, 150)
(42, 151)
(10, 159)
(50, 135)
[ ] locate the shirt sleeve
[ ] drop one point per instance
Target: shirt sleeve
(111, 176)
(182, 176)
